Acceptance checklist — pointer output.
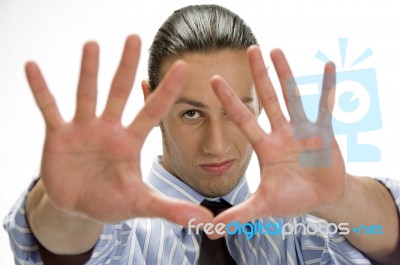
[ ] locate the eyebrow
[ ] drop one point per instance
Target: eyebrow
(192, 102)
(201, 105)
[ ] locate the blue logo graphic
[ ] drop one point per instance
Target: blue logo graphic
(368, 230)
(280, 228)
(357, 107)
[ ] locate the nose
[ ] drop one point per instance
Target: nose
(216, 139)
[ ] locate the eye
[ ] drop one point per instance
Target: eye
(191, 114)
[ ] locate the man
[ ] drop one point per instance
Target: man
(202, 66)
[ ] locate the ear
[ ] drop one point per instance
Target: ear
(260, 109)
(145, 89)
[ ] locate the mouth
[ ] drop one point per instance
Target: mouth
(217, 169)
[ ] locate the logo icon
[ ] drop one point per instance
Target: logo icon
(357, 107)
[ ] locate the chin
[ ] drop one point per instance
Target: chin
(214, 193)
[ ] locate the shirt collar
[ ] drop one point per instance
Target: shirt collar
(166, 183)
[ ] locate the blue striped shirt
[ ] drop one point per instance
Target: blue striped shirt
(157, 241)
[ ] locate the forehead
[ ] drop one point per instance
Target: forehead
(232, 65)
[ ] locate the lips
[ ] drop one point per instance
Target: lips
(217, 169)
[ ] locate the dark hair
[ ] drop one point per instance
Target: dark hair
(198, 29)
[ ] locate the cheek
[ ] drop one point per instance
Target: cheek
(240, 141)
(183, 143)
(246, 150)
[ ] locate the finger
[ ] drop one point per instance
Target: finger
(249, 210)
(289, 87)
(87, 86)
(123, 80)
(159, 102)
(238, 113)
(328, 95)
(177, 211)
(265, 90)
(43, 96)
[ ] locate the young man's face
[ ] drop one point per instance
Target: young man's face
(201, 145)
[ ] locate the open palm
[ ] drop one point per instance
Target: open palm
(302, 169)
(91, 165)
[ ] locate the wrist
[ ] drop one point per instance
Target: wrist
(59, 231)
(335, 211)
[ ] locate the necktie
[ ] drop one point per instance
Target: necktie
(215, 252)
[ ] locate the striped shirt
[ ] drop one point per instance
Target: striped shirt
(157, 241)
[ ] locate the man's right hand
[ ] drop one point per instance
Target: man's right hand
(90, 167)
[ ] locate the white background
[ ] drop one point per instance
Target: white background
(52, 33)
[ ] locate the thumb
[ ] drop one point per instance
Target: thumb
(175, 210)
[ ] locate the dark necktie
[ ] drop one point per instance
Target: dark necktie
(215, 252)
